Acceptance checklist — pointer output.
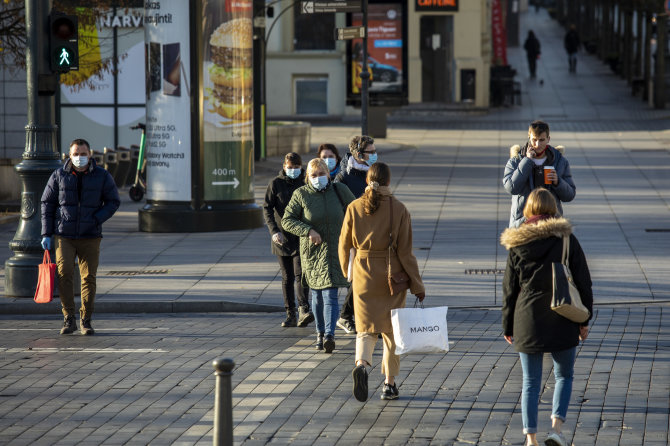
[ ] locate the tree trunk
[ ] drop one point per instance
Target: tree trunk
(647, 53)
(639, 41)
(659, 78)
(628, 42)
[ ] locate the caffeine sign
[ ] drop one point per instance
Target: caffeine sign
(436, 5)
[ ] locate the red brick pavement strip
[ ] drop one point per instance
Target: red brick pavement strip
(148, 379)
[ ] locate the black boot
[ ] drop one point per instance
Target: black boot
(68, 325)
(319, 341)
(290, 319)
(304, 316)
(329, 344)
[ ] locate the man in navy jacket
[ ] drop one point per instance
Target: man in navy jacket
(78, 199)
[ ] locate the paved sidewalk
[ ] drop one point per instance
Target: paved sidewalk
(148, 380)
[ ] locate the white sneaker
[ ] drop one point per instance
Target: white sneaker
(555, 439)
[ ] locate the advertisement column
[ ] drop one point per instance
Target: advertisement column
(168, 137)
(228, 100)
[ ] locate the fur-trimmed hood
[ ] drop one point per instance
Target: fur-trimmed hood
(524, 234)
(515, 150)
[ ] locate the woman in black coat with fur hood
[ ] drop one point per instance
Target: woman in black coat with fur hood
(528, 321)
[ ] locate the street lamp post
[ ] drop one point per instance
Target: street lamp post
(40, 157)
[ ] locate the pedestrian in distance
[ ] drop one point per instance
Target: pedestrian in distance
(532, 47)
(329, 153)
(537, 165)
(353, 171)
(315, 213)
(366, 229)
(286, 245)
(571, 43)
(78, 199)
(529, 323)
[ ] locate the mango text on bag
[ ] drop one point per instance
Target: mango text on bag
(424, 329)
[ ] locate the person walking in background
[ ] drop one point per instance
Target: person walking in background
(571, 43)
(529, 323)
(353, 170)
(78, 199)
(537, 164)
(284, 244)
(315, 213)
(366, 229)
(532, 47)
(329, 153)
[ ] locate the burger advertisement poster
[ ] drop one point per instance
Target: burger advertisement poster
(168, 105)
(228, 100)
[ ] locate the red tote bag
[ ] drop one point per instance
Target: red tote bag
(45, 280)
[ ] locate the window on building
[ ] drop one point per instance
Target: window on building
(313, 31)
(311, 96)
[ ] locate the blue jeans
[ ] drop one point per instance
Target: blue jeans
(531, 363)
(326, 310)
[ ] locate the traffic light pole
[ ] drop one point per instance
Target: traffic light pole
(40, 157)
(365, 75)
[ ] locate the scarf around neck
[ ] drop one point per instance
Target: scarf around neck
(353, 164)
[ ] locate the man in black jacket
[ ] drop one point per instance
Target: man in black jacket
(353, 171)
(77, 200)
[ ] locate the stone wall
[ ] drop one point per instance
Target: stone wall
(285, 136)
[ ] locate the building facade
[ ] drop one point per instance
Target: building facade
(433, 51)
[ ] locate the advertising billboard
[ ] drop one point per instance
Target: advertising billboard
(387, 55)
(228, 100)
(168, 109)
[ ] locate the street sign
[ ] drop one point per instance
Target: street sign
(352, 32)
(320, 7)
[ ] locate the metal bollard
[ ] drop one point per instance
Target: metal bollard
(223, 402)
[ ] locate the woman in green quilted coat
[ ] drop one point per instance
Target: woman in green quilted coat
(315, 214)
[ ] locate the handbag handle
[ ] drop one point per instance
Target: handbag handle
(418, 303)
(566, 251)
(390, 234)
(46, 258)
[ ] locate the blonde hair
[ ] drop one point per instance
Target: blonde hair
(540, 202)
(315, 164)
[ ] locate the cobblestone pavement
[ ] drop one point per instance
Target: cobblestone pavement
(148, 379)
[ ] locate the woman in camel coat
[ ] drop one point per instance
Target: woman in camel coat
(366, 229)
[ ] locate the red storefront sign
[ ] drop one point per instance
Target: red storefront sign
(499, 34)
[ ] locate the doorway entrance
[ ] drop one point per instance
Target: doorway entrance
(437, 55)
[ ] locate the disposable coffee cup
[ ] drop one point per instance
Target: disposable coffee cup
(547, 169)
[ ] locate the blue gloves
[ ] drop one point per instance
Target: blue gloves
(46, 243)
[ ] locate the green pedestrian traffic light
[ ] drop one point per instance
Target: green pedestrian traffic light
(63, 42)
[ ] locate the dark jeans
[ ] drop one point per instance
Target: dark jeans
(348, 307)
(532, 65)
(291, 274)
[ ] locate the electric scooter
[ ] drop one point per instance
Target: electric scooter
(138, 189)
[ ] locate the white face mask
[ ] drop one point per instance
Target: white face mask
(330, 162)
(79, 161)
(319, 183)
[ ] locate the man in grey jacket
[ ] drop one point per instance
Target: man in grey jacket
(526, 168)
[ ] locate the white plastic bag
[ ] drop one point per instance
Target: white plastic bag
(420, 330)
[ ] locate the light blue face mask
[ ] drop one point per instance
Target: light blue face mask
(319, 183)
(292, 173)
(331, 162)
(372, 158)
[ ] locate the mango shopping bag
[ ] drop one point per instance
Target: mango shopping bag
(420, 330)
